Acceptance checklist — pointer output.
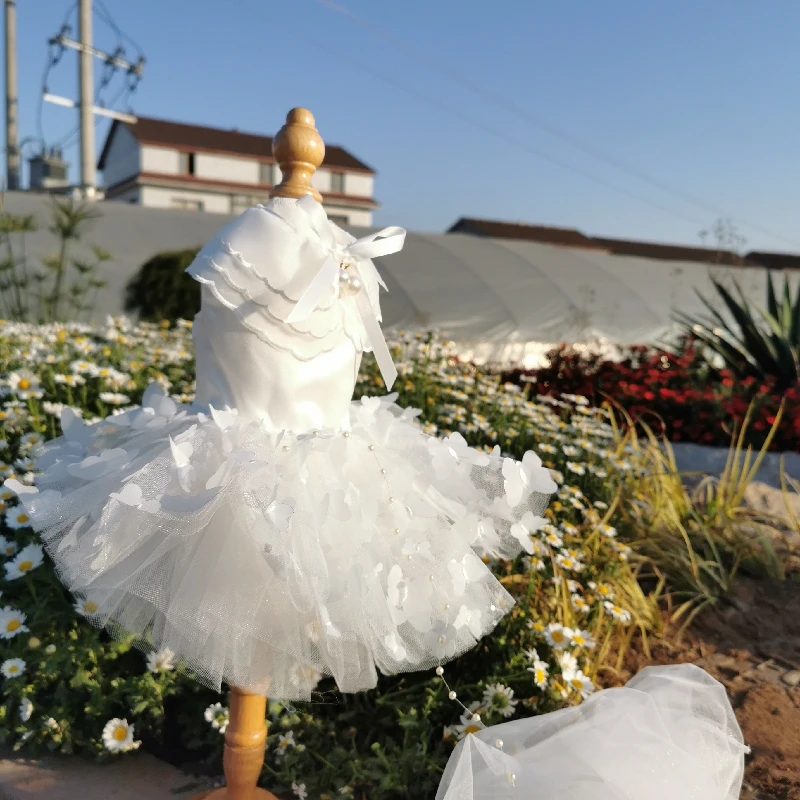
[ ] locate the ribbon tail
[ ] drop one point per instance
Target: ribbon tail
(376, 340)
(327, 274)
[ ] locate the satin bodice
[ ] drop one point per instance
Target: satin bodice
(289, 302)
(237, 369)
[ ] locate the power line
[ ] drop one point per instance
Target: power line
(105, 15)
(539, 121)
(436, 103)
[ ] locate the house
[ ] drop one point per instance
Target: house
(162, 164)
(574, 239)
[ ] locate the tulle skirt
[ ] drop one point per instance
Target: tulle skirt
(669, 734)
(268, 559)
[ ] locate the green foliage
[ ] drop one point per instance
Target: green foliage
(759, 342)
(388, 744)
(161, 289)
(62, 286)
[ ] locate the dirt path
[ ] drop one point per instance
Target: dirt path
(751, 643)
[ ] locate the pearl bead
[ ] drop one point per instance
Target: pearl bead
(391, 499)
(355, 285)
(371, 447)
(499, 744)
(286, 447)
(396, 531)
(344, 275)
(383, 472)
(511, 777)
(452, 695)
(440, 671)
(442, 639)
(476, 717)
(346, 434)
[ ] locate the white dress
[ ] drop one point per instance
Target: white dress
(276, 531)
(669, 734)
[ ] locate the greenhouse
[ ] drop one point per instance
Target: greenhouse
(500, 300)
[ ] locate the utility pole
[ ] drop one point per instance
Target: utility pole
(12, 147)
(85, 99)
(85, 105)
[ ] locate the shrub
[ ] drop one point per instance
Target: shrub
(678, 394)
(62, 286)
(161, 289)
(760, 343)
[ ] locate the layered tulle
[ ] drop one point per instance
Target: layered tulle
(669, 734)
(265, 559)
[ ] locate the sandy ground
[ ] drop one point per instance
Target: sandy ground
(751, 643)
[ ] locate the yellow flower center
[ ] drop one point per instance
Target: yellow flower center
(576, 683)
(472, 729)
(120, 733)
(12, 625)
(578, 639)
(540, 676)
(558, 636)
(24, 384)
(25, 566)
(13, 669)
(22, 518)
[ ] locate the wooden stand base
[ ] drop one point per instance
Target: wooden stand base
(245, 741)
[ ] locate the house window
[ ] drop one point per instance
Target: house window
(337, 182)
(267, 174)
(186, 204)
(339, 219)
(187, 163)
(240, 203)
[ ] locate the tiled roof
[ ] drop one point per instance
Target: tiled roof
(567, 237)
(570, 237)
(199, 137)
(671, 252)
(775, 260)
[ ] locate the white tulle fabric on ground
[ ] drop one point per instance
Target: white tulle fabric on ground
(276, 531)
(669, 734)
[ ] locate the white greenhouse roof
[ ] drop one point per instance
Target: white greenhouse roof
(498, 299)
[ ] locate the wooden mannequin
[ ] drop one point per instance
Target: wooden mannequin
(299, 150)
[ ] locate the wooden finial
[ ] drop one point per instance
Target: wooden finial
(299, 150)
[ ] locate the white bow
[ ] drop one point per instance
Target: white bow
(358, 254)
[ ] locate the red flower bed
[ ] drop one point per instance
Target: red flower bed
(677, 394)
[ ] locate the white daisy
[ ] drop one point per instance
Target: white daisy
(579, 604)
(218, 716)
(583, 639)
(16, 518)
(25, 709)
(619, 613)
(12, 623)
(12, 667)
(540, 673)
(162, 661)
(579, 682)
(501, 699)
(285, 741)
(114, 398)
(557, 635)
(24, 384)
(118, 736)
(86, 608)
(26, 560)
(7, 547)
(299, 790)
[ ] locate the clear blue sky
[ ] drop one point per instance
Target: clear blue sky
(702, 96)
